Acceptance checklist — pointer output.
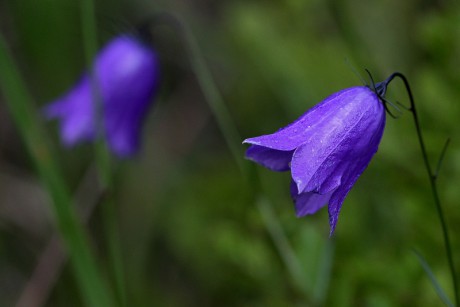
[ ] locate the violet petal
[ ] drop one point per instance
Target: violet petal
(275, 160)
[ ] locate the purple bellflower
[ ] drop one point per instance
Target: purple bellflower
(326, 149)
(127, 74)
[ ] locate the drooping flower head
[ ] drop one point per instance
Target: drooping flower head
(326, 149)
(127, 74)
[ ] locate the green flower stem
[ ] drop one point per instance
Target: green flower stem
(233, 139)
(432, 277)
(53, 257)
(432, 176)
(213, 97)
(88, 23)
(114, 247)
(21, 106)
(102, 154)
(282, 244)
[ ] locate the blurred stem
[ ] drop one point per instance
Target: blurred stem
(232, 137)
(94, 290)
(432, 176)
(324, 274)
(90, 47)
(205, 81)
(213, 97)
(432, 277)
(114, 247)
(282, 244)
(103, 160)
(53, 257)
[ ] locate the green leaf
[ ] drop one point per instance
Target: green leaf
(434, 282)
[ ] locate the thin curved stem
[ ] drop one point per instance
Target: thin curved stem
(102, 157)
(93, 286)
(441, 158)
(432, 177)
(231, 135)
(205, 80)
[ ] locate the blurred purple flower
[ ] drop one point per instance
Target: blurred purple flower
(326, 149)
(127, 73)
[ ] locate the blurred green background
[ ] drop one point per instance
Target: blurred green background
(191, 232)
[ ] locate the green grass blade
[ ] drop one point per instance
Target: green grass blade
(324, 273)
(213, 97)
(437, 287)
(21, 106)
(285, 250)
(103, 159)
(233, 139)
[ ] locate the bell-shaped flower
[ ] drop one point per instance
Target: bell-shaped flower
(326, 149)
(127, 76)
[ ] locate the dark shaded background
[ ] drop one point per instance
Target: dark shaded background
(191, 233)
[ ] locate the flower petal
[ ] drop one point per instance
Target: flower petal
(308, 203)
(352, 174)
(297, 133)
(275, 160)
(76, 114)
(318, 164)
(127, 73)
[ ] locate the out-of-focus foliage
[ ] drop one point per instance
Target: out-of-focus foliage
(192, 234)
